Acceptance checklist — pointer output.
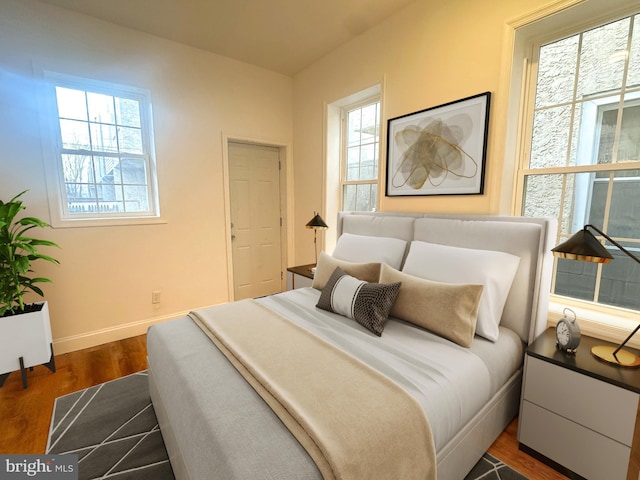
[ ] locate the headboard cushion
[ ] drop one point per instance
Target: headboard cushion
(379, 226)
(531, 239)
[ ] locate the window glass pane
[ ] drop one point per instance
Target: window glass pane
(576, 279)
(624, 210)
(130, 140)
(133, 171)
(107, 170)
(620, 282)
(556, 72)
(353, 163)
(75, 135)
(363, 200)
(374, 196)
(71, 104)
(542, 196)
(629, 148)
(601, 65)
(127, 112)
(135, 198)
(110, 198)
(103, 137)
(579, 151)
(77, 169)
(598, 203)
(608, 124)
(81, 197)
(370, 123)
(550, 137)
(354, 121)
(368, 170)
(633, 77)
(349, 197)
(101, 108)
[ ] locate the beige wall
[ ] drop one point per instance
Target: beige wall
(429, 54)
(102, 288)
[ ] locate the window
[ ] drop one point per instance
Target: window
(104, 165)
(360, 156)
(583, 164)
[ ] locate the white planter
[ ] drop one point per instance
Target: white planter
(27, 335)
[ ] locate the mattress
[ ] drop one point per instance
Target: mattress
(214, 411)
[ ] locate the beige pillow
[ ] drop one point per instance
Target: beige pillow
(369, 272)
(446, 309)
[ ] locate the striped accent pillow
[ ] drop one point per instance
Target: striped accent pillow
(366, 303)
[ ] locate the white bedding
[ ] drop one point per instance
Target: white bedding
(451, 383)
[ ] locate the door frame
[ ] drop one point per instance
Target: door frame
(286, 208)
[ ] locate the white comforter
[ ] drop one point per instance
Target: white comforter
(451, 383)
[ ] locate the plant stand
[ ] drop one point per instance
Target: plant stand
(51, 365)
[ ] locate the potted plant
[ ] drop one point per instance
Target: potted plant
(25, 330)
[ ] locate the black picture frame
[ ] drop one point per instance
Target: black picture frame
(440, 150)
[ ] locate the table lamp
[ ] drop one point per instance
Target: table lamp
(316, 223)
(584, 246)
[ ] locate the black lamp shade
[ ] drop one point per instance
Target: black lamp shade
(317, 222)
(583, 246)
(586, 247)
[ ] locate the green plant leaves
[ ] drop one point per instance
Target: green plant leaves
(17, 252)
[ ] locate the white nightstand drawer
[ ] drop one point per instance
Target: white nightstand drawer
(597, 405)
(580, 449)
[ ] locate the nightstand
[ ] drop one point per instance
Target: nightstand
(578, 414)
(300, 276)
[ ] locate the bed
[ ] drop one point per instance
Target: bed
(488, 275)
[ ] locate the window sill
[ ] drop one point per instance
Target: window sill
(106, 222)
(595, 321)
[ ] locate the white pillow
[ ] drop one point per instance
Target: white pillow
(494, 270)
(366, 249)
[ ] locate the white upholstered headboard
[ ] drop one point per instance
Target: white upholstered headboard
(531, 239)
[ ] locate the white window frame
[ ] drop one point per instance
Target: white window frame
(601, 320)
(333, 133)
(344, 146)
(53, 149)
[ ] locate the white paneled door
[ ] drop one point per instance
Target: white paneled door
(254, 178)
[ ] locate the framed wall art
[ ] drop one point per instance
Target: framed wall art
(440, 150)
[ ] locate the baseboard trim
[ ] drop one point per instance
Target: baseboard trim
(110, 334)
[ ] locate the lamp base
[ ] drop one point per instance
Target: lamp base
(622, 358)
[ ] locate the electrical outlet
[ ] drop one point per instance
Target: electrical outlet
(155, 297)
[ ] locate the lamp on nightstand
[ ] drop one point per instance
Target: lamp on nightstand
(584, 246)
(316, 223)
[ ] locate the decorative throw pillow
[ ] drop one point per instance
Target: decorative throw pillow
(366, 303)
(369, 272)
(494, 270)
(366, 248)
(446, 309)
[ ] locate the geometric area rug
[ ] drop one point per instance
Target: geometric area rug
(113, 429)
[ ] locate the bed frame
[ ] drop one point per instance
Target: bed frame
(525, 313)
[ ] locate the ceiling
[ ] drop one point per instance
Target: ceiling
(281, 35)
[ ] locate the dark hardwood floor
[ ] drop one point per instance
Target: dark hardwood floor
(25, 414)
